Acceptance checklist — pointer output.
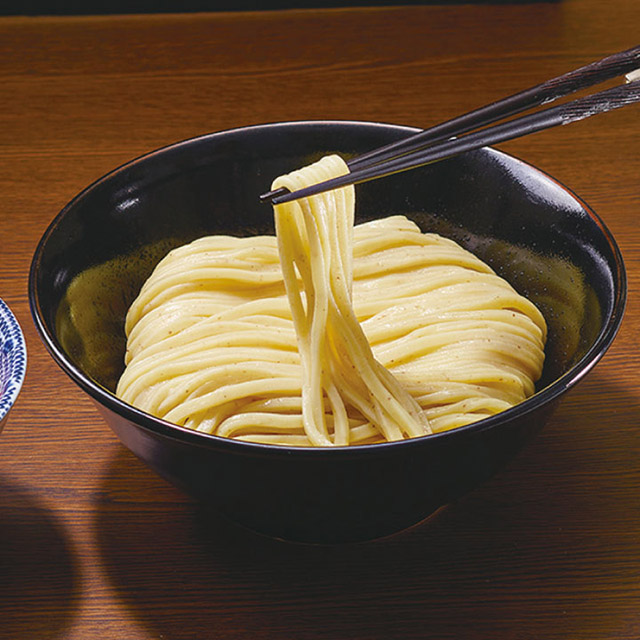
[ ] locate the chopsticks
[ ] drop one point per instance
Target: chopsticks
(446, 139)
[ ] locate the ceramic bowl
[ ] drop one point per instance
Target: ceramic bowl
(13, 361)
(101, 247)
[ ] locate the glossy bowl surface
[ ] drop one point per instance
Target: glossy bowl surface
(13, 361)
(98, 251)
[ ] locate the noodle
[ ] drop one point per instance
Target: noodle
(328, 334)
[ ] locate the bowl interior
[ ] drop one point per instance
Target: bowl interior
(531, 230)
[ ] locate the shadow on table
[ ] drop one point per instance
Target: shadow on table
(39, 586)
(538, 544)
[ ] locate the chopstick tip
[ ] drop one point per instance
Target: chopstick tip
(271, 196)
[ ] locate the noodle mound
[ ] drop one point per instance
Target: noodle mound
(328, 334)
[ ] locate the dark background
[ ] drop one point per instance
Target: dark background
(89, 7)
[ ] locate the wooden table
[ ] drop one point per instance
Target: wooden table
(95, 545)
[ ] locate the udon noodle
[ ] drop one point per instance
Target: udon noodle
(328, 334)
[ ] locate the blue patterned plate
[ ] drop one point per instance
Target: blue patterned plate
(13, 361)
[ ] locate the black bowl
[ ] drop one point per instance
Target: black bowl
(97, 252)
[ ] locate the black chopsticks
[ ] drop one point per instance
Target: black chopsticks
(438, 142)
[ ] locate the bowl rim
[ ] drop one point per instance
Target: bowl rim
(18, 348)
(545, 396)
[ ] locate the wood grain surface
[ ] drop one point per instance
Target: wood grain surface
(93, 545)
